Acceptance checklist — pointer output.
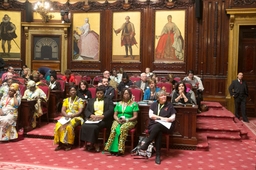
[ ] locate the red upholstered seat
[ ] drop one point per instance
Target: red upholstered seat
(93, 91)
(62, 84)
(45, 105)
(188, 85)
(88, 79)
(23, 88)
(59, 76)
(178, 79)
(167, 85)
(96, 80)
(137, 93)
(20, 80)
(78, 79)
(134, 78)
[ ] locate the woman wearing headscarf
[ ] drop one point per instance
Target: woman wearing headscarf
(160, 111)
(35, 93)
(99, 110)
(9, 113)
(125, 118)
(72, 108)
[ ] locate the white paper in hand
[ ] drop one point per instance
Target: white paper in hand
(63, 120)
(166, 124)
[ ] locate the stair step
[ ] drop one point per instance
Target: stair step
(202, 142)
(222, 135)
(217, 112)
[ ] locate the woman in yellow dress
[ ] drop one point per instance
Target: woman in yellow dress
(72, 108)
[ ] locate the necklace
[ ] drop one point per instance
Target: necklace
(70, 105)
(124, 105)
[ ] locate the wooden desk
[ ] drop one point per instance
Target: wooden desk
(25, 115)
(185, 127)
(56, 96)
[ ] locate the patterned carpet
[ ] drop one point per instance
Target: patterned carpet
(215, 130)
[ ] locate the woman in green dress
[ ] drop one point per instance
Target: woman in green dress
(125, 118)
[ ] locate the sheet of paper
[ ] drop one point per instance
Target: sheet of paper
(63, 120)
(89, 121)
(166, 124)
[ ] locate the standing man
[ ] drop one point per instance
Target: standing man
(197, 85)
(239, 90)
(127, 38)
(7, 32)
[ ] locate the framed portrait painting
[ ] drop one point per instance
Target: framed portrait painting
(86, 36)
(10, 31)
(126, 36)
(169, 36)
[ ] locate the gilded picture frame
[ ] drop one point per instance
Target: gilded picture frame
(169, 36)
(86, 36)
(126, 36)
(10, 41)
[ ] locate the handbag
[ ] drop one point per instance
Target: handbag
(144, 153)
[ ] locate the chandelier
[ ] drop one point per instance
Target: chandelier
(43, 7)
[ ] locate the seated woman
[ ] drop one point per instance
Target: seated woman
(72, 108)
(9, 113)
(99, 109)
(125, 118)
(54, 84)
(26, 74)
(83, 91)
(150, 93)
(68, 78)
(35, 93)
(164, 111)
(171, 80)
(180, 95)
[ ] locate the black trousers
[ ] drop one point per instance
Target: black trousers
(156, 133)
(240, 101)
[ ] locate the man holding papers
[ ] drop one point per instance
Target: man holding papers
(161, 114)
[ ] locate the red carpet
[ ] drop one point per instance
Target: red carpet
(217, 149)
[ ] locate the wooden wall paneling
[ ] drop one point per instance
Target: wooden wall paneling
(222, 41)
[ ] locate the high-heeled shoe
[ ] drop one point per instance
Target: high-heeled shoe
(158, 159)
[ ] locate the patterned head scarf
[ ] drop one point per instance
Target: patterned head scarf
(15, 86)
(31, 83)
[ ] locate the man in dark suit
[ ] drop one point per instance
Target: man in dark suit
(239, 90)
(109, 91)
(143, 83)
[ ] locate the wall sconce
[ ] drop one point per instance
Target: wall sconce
(65, 16)
(6, 4)
(86, 5)
(169, 3)
(43, 7)
(126, 4)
